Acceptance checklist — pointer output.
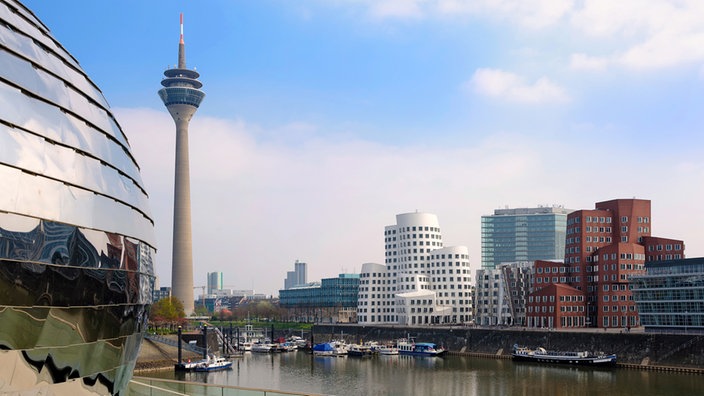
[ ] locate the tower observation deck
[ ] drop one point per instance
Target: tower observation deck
(181, 95)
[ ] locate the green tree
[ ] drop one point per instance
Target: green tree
(167, 311)
(265, 309)
(201, 310)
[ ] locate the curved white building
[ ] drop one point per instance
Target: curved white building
(76, 233)
(422, 281)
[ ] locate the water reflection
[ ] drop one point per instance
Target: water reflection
(450, 375)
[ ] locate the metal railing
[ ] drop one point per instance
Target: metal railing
(145, 386)
(174, 343)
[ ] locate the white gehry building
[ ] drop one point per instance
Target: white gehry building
(421, 282)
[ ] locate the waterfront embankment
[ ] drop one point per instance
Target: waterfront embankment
(634, 348)
(158, 356)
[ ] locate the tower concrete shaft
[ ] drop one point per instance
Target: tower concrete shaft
(182, 96)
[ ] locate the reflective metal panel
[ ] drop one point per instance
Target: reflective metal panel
(51, 56)
(76, 235)
(49, 121)
(62, 202)
(36, 155)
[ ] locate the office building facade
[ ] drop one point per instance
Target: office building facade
(502, 293)
(523, 234)
(670, 295)
(604, 247)
(332, 300)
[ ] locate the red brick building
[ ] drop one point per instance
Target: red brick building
(603, 247)
(556, 305)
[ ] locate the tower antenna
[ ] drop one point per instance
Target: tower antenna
(181, 40)
(181, 48)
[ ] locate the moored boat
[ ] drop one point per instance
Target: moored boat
(262, 347)
(213, 364)
(410, 347)
(360, 350)
(288, 346)
(541, 355)
(328, 349)
(386, 350)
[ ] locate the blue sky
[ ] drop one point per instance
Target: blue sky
(325, 119)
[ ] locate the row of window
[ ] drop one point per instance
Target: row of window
(571, 308)
(617, 297)
(652, 248)
(589, 219)
(416, 228)
(615, 308)
(362, 296)
(660, 257)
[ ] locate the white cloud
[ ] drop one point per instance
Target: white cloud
(395, 9)
(508, 86)
(586, 62)
(258, 205)
(650, 35)
(654, 34)
(664, 50)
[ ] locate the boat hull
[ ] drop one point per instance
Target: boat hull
(420, 349)
(608, 360)
(540, 355)
(214, 367)
(416, 353)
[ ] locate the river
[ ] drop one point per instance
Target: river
(450, 375)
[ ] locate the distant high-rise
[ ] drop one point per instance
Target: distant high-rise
(523, 234)
(182, 96)
(214, 282)
(297, 277)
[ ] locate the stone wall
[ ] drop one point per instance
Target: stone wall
(686, 350)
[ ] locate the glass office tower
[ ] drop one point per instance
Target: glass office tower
(523, 234)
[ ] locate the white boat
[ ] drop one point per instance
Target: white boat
(189, 365)
(387, 350)
(410, 347)
(262, 347)
(213, 364)
(341, 347)
(246, 346)
(328, 349)
(299, 342)
(288, 346)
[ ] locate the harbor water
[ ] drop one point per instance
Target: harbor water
(449, 375)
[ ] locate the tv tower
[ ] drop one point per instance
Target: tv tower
(182, 96)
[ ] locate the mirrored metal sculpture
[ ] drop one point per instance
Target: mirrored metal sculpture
(76, 233)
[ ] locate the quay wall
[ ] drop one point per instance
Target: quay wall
(632, 348)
